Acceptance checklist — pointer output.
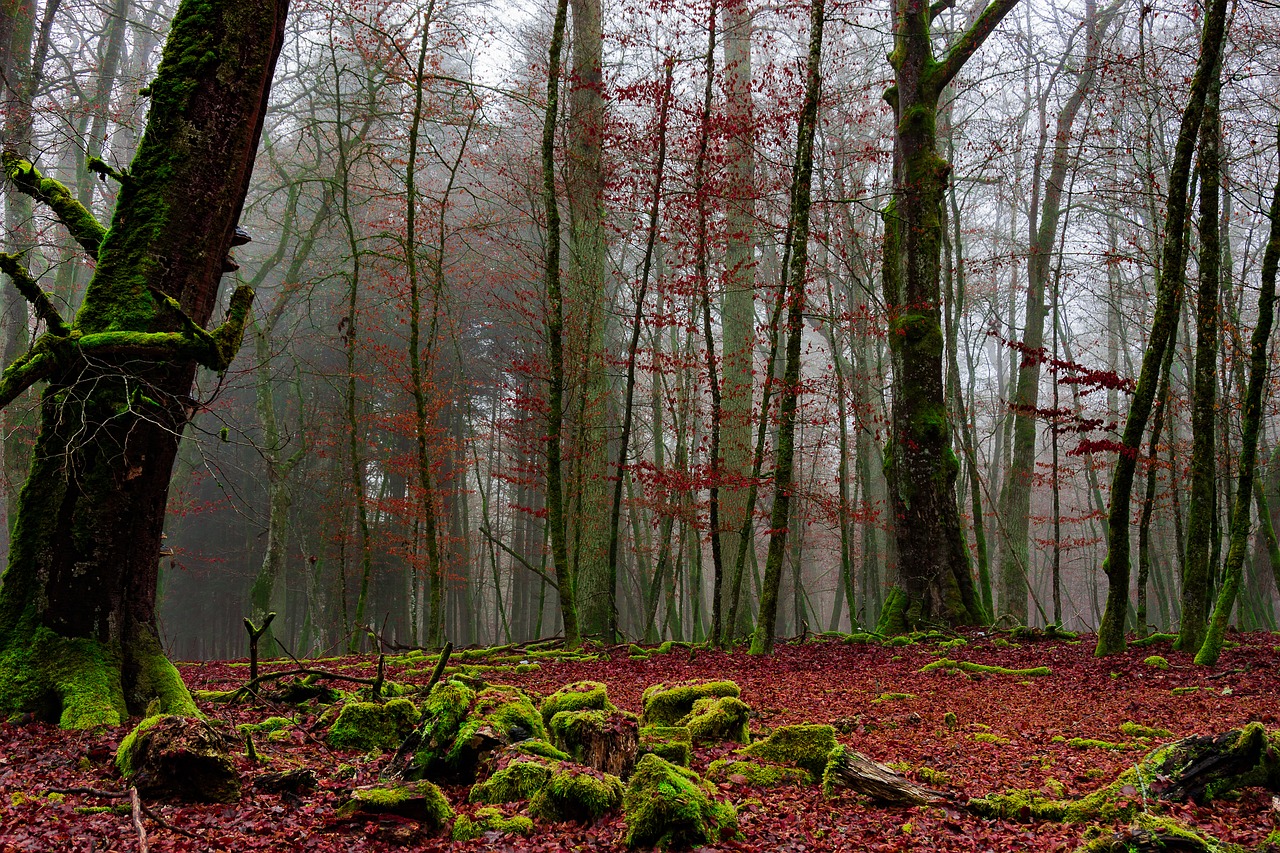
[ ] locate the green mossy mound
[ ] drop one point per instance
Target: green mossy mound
(1148, 833)
(671, 743)
(605, 740)
(519, 777)
(461, 727)
(576, 793)
(667, 704)
(369, 726)
(170, 757)
(718, 718)
(1156, 662)
(471, 827)
(1131, 729)
(670, 807)
(579, 696)
(421, 801)
(805, 746)
(948, 665)
(757, 774)
(538, 748)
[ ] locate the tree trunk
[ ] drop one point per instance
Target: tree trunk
(922, 468)
(77, 609)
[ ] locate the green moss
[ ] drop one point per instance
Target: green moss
(539, 748)
(421, 801)
(1136, 730)
(459, 725)
(576, 793)
(579, 696)
(717, 718)
(965, 666)
(128, 749)
(953, 644)
(267, 726)
(670, 743)
(987, 737)
(666, 704)
(471, 827)
(757, 774)
(934, 777)
(668, 806)
(950, 720)
(1090, 743)
(519, 780)
(368, 726)
(1158, 832)
(893, 615)
(893, 697)
(805, 746)
(1183, 691)
(1153, 639)
(1156, 662)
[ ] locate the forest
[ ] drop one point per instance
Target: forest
(721, 424)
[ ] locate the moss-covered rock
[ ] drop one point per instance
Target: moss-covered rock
(668, 806)
(471, 827)
(671, 743)
(520, 778)
(576, 793)
(173, 757)
(667, 704)
(605, 740)
(758, 774)
(369, 726)
(718, 718)
(1156, 662)
(538, 748)
(421, 801)
(460, 727)
(579, 696)
(803, 746)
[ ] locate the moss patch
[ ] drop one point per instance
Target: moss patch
(671, 743)
(717, 718)
(460, 726)
(421, 801)
(369, 726)
(576, 793)
(669, 806)
(804, 746)
(1137, 730)
(757, 774)
(579, 696)
(470, 827)
(1156, 662)
(948, 665)
(519, 780)
(666, 704)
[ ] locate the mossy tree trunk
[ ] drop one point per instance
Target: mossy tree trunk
(922, 468)
(78, 640)
(1169, 291)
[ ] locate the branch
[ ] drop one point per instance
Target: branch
(969, 43)
(939, 7)
(106, 170)
(79, 221)
(12, 266)
(484, 529)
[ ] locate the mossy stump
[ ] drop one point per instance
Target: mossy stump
(670, 743)
(369, 726)
(462, 728)
(671, 807)
(419, 801)
(518, 777)
(667, 704)
(179, 758)
(486, 820)
(605, 740)
(714, 719)
(805, 746)
(576, 793)
(578, 696)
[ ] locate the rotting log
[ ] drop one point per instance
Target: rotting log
(853, 770)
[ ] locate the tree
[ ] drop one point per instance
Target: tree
(78, 639)
(922, 468)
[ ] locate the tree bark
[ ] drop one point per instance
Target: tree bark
(78, 640)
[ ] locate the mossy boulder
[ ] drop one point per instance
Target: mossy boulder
(666, 704)
(576, 793)
(671, 743)
(758, 774)
(420, 801)
(172, 757)
(462, 727)
(803, 746)
(579, 696)
(539, 748)
(671, 807)
(718, 718)
(486, 820)
(519, 777)
(370, 726)
(605, 740)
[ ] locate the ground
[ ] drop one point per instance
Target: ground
(1008, 732)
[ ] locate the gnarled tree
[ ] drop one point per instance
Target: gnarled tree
(78, 640)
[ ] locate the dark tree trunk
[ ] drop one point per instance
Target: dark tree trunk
(78, 639)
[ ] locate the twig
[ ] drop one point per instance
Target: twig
(137, 820)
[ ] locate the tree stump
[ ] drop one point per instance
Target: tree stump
(171, 757)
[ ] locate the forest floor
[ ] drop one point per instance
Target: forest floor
(1009, 733)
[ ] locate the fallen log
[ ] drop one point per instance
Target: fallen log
(853, 770)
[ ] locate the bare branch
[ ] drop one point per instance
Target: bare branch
(969, 42)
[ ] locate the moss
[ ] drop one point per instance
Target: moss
(987, 737)
(965, 666)
(1183, 691)
(805, 746)
(954, 643)
(539, 748)
(1153, 639)
(717, 718)
(950, 720)
(1090, 743)
(368, 726)
(934, 777)
(893, 697)
(671, 743)
(1136, 730)
(579, 696)
(72, 681)
(471, 827)
(1157, 832)
(666, 704)
(668, 806)
(1156, 662)
(459, 725)
(519, 780)
(267, 726)
(128, 749)
(421, 801)
(576, 793)
(758, 774)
